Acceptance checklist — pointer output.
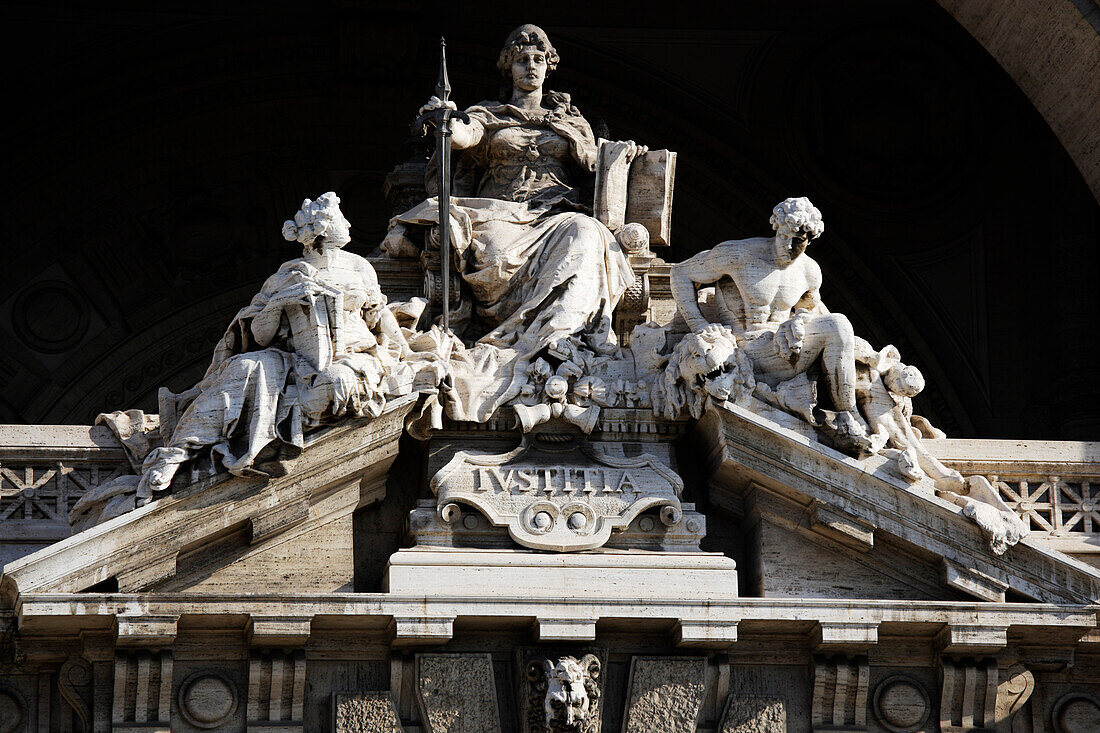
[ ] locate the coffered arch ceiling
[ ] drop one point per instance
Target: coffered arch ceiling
(1051, 48)
(158, 152)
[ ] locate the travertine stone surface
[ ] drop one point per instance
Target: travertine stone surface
(665, 694)
(750, 714)
(840, 692)
(211, 523)
(542, 461)
(544, 279)
(365, 712)
(457, 693)
(635, 188)
(1017, 683)
(901, 703)
(752, 451)
(482, 573)
(1077, 712)
(976, 707)
(553, 499)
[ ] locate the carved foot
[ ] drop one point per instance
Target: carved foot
(845, 432)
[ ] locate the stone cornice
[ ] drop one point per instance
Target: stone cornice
(422, 619)
(745, 447)
(140, 547)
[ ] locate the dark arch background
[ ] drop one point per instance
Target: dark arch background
(153, 154)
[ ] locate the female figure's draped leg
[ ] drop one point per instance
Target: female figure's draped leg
(239, 411)
(559, 278)
(569, 285)
(537, 278)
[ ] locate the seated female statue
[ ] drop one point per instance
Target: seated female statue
(544, 274)
(313, 345)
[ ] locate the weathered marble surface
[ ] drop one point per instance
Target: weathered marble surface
(748, 714)
(457, 693)
(768, 296)
(228, 529)
(318, 344)
(365, 712)
(665, 694)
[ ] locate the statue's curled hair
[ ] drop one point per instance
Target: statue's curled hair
(525, 36)
(798, 214)
(314, 219)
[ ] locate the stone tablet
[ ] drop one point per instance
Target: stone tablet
(457, 693)
(556, 500)
(649, 194)
(665, 694)
(638, 190)
(754, 715)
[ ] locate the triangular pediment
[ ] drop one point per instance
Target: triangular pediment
(825, 524)
(232, 533)
(801, 520)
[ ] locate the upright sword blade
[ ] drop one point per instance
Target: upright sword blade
(443, 149)
(441, 117)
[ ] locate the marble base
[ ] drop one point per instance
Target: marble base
(464, 572)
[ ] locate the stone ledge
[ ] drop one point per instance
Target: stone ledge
(140, 547)
(458, 572)
(47, 613)
(1011, 457)
(30, 443)
(746, 448)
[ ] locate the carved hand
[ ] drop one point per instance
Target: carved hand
(634, 150)
(435, 103)
(791, 335)
(300, 293)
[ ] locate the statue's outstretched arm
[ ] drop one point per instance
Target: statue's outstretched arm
(698, 270)
(463, 135)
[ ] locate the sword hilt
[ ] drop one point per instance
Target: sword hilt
(436, 118)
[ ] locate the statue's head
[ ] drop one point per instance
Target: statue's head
(708, 361)
(570, 702)
(903, 380)
(796, 223)
(317, 221)
(706, 364)
(527, 57)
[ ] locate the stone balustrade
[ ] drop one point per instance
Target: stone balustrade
(44, 470)
(1053, 485)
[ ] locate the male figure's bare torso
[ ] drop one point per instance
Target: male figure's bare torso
(754, 292)
(768, 293)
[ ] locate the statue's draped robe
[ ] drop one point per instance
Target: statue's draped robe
(254, 398)
(539, 268)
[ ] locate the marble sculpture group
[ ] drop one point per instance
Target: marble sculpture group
(533, 338)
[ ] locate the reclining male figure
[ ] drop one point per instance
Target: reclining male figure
(767, 293)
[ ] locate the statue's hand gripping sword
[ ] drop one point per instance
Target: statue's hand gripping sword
(441, 117)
